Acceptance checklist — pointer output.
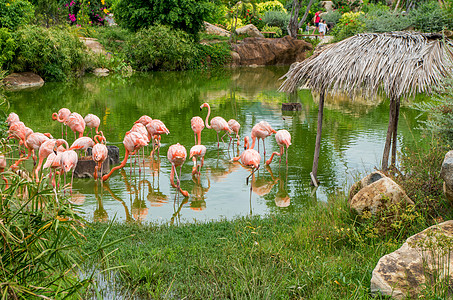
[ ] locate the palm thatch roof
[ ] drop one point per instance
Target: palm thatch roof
(396, 63)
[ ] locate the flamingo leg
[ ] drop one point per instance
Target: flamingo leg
(218, 142)
(195, 137)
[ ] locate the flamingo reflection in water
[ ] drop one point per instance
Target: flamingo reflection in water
(198, 202)
(100, 214)
(126, 209)
(138, 206)
(261, 186)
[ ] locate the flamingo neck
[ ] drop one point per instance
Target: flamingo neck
(207, 118)
(54, 116)
(199, 138)
(253, 142)
(123, 163)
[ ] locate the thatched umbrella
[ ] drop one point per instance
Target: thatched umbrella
(397, 64)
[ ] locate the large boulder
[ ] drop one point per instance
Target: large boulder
(212, 29)
(402, 274)
(327, 5)
(365, 181)
(249, 30)
(19, 81)
(378, 195)
(446, 173)
(260, 51)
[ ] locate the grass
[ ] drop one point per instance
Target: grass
(312, 255)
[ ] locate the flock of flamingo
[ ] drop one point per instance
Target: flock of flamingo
(62, 158)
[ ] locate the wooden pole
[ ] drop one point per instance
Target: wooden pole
(395, 130)
(388, 140)
(314, 169)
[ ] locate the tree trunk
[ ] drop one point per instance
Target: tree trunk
(318, 137)
(292, 25)
(395, 130)
(388, 140)
(396, 6)
(302, 21)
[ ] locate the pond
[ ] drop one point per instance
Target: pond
(352, 142)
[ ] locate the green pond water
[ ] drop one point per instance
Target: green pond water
(352, 142)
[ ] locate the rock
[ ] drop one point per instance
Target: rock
(249, 30)
(212, 29)
(446, 173)
(85, 167)
(101, 72)
(279, 51)
(378, 195)
(114, 154)
(291, 106)
(402, 274)
(93, 45)
(365, 181)
(328, 5)
(19, 81)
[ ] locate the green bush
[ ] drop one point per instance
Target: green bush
(270, 5)
(212, 55)
(216, 13)
(380, 19)
(15, 13)
(278, 19)
(332, 17)
(186, 15)
(7, 46)
(160, 47)
(277, 30)
(54, 54)
(349, 25)
(430, 17)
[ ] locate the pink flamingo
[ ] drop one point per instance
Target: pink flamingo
(62, 117)
(68, 162)
(140, 128)
(261, 131)
(45, 149)
(12, 118)
(197, 151)
(235, 126)
(82, 143)
(217, 123)
(132, 142)
(76, 123)
(177, 155)
(33, 142)
(249, 158)
(283, 138)
(99, 154)
(144, 120)
(155, 129)
(197, 125)
(93, 121)
(53, 162)
(18, 131)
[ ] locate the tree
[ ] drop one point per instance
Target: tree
(240, 8)
(294, 25)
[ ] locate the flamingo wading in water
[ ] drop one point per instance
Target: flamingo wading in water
(217, 123)
(93, 121)
(99, 154)
(197, 151)
(62, 117)
(261, 131)
(177, 155)
(76, 123)
(283, 138)
(249, 158)
(197, 125)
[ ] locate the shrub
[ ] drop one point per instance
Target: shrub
(270, 5)
(380, 19)
(186, 15)
(49, 12)
(14, 14)
(216, 13)
(430, 17)
(349, 25)
(160, 47)
(346, 6)
(332, 17)
(276, 19)
(278, 31)
(7, 46)
(84, 12)
(212, 55)
(54, 54)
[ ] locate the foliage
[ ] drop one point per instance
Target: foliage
(83, 12)
(49, 12)
(212, 55)
(276, 19)
(332, 17)
(277, 30)
(245, 9)
(54, 54)
(349, 25)
(275, 5)
(7, 46)
(160, 47)
(216, 13)
(430, 17)
(346, 6)
(186, 15)
(380, 19)
(16, 13)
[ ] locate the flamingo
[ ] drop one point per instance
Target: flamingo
(177, 155)
(235, 126)
(217, 123)
(249, 158)
(76, 123)
(197, 125)
(68, 162)
(33, 142)
(53, 162)
(18, 131)
(62, 117)
(82, 143)
(93, 121)
(197, 151)
(12, 118)
(132, 141)
(283, 138)
(44, 151)
(261, 131)
(155, 129)
(99, 154)
(140, 128)
(144, 120)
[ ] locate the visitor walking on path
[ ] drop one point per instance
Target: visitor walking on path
(316, 19)
(322, 28)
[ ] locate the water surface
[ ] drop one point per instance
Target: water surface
(352, 142)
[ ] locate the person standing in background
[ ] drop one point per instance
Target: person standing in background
(322, 28)
(316, 19)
